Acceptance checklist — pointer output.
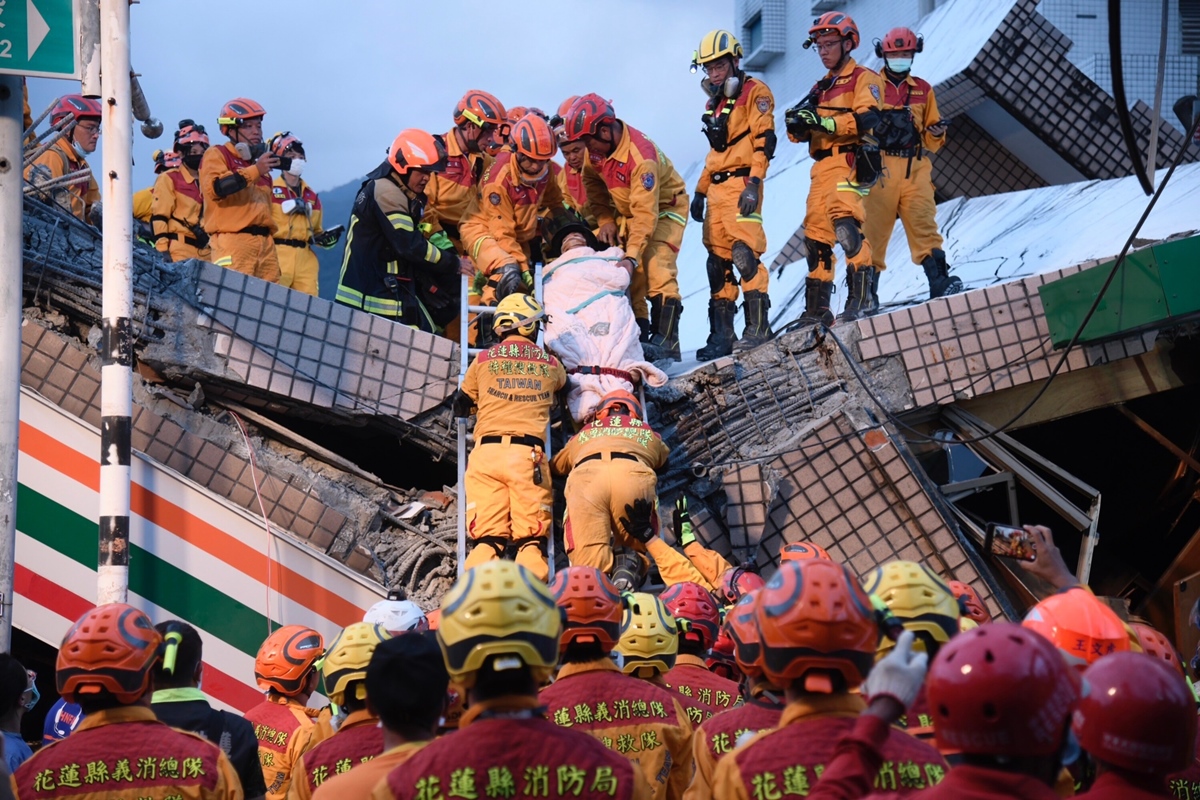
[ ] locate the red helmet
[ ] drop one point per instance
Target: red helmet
(802, 551)
(899, 40)
(190, 133)
(165, 160)
(815, 623)
(82, 107)
(592, 605)
(970, 604)
(1137, 714)
(286, 658)
(616, 398)
(835, 22)
(238, 110)
(689, 601)
(720, 659)
(736, 582)
(1000, 689)
(1082, 627)
(586, 115)
(1156, 645)
(416, 149)
(480, 108)
(531, 137)
(739, 624)
(111, 648)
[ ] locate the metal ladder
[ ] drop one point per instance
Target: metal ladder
(466, 352)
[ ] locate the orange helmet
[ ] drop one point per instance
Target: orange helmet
(515, 113)
(747, 647)
(1082, 627)
(286, 658)
(969, 603)
(238, 110)
(899, 40)
(592, 605)
(815, 623)
(802, 551)
(619, 397)
(480, 108)
(563, 108)
(1156, 645)
(586, 115)
(111, 648)
(82, 107)
(835, 22)
(531, 137)
(416, 149)
(691, 602)
(190, 133)
(280, 143)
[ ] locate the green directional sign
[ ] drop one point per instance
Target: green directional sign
(40, 38)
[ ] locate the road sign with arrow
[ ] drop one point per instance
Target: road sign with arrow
(40, 38)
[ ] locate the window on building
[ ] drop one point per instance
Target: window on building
(754, 33)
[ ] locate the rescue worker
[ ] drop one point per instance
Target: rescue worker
(177, 211)
(841, 109)
(764, 701)
(120, 751)
(178, 701)
(18, 694)
(68, 156)
(499, 634)
(480, 123)
(143, 199)
(510, 499)
(739, 122)
(909, 127)
(570, 177)
(297, 218)
(235, 180)
(286, 727)
(1081, 626)
(627, 175)
(690, 677)
(802, 551)
(640, 721)
(501, 221)
(406, 688)
(818, 637)
(715, 573)
(611, 482)
(358, 738)
(389, 268)
(969, 604)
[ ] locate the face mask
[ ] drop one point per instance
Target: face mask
(34, 694)
(899, 65)
(297, 168)
(192, 160)
(243, 151)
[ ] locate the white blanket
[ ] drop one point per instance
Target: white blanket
(592, 324)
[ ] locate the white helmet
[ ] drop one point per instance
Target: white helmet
(397, 616)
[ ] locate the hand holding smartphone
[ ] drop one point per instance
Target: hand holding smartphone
(1010, 542)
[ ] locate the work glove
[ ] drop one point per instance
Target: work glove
(330, 237)
(748, 200)
(698, 206)
(461, 405)
(638, 521)
(889, 624)
(899, 674)
(440, 240)
(810, 120)
(143, 230)
(511, 281)
(683, 522)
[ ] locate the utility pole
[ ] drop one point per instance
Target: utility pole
(11, 128)
(116, 377)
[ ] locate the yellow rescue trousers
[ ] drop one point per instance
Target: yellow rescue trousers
(724, 224)
(247, 253)
(505, 504)
(597, 492)
(833, 195)
(905, 191)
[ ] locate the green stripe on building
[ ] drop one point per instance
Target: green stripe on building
(154, 578)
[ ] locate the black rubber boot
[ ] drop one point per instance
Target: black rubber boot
(643, 330)
(941, 282)
(817, 296)
(758, 325)
(720, 330)
(874, 293)
(858, 298)
(666, 336)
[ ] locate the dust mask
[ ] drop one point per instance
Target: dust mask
(899, 65)
(297, 167)
(243, 151)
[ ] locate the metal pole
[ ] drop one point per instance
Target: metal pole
(464, 356)
(11, 200)
(116, 381)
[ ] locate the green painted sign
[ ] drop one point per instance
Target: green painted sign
(40, 38)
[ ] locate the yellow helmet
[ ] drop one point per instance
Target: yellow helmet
(921, 600)
(517, 312)
(967, 624)
(499, 609)
(649, 636)
(716, 44)
(347, 658)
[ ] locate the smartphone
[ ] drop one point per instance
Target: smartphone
(285, 163)
(1010, 542)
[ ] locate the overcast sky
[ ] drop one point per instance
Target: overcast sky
(346, 77)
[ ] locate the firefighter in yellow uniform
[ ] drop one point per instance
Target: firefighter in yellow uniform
(502, 218)
(509, 495)
(177, 213)
(143, 199)
(909, 128)
(627, 175)
(69, 155)
(570, 177)
(296, 212)
(739, 121)
(841, 108)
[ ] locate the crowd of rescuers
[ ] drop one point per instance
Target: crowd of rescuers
(476, 200)
(814, 683)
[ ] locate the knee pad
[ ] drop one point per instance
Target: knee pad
(719, 272)
(498, 544)
(536, 541)
(745, 260)
(819, 255)
(849, 235)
